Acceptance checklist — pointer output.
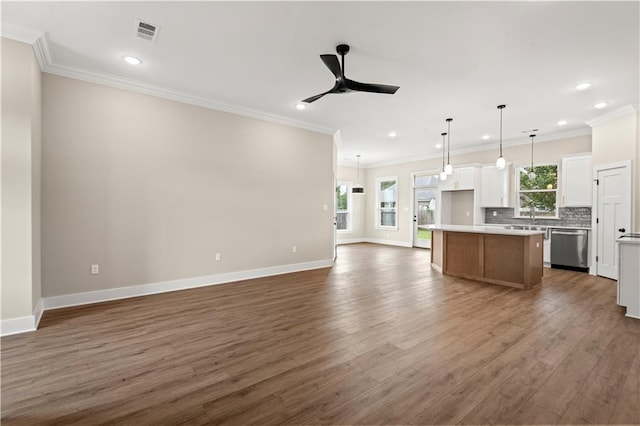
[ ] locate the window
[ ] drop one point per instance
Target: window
(387, 203)
(343, 206)
(538, 196)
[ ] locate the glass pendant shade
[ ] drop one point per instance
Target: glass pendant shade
(532, 175)
(501, 163)
(443, 175)
(448, 169)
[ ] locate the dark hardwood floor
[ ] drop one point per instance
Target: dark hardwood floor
(378, 339)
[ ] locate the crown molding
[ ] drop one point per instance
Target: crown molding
(614, 115)
(40, 43)
(470, 150)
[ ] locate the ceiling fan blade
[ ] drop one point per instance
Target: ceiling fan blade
(373, 88)
(331, 61)
(334, 89)
(313, 98)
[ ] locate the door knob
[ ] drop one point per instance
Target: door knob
(621, 230)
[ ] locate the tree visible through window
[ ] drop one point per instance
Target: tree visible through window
(387, 201)
(538, 195)
(343, 206)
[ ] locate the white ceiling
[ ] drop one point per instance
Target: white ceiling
(450, 59)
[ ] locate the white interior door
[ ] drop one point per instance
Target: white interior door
(423, 214)
(613, 216)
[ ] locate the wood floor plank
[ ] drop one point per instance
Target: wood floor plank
(380, 338)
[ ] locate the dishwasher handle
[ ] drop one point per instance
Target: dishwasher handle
(576, 232)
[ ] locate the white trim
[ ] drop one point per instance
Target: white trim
(614, 115)
(75, 299)
(352, 241)
(22, 324)
(376, 241)
(42, 51)
(17, 325)
(37, 313)
(388, 242)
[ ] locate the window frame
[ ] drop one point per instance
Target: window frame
(516, 212)
(349, 210)
(378, 209)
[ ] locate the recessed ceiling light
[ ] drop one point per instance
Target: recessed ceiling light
(562, 122)
(583, 86)
(485, 137)
(392, 134)
(600, 105)
(301, 105)
(132, 60)
(438, 145)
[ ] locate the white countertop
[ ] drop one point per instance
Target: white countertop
(588, 228)
(628, 240)
(481, 230)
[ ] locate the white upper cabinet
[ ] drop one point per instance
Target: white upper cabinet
(576, 181)
(462, 178)
(495, 186)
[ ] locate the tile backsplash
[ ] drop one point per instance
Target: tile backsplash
(568, 216)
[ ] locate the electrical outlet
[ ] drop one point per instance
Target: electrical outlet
(217, 257)
(537, 245)
(325, 207)
(95, 269)
(468, 214)
(294, 249)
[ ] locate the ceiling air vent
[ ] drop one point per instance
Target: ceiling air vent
(146, 30)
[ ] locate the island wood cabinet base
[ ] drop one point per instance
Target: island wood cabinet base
(510, 260)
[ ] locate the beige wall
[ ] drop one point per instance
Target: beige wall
(619, 140)
(21, 108)
(550, 151)
(350, 174)
(152, 189)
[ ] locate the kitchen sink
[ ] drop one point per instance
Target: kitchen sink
(530, 228)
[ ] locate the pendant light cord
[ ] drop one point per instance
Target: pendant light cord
(443, 144)
(358, 158)
(501, 107)
(532, 136)
(449, 120)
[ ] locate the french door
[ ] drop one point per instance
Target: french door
(423, 214)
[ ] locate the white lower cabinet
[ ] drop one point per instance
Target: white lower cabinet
(628, 282)
(546, 251)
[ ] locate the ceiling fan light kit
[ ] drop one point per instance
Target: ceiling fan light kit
(343, 84)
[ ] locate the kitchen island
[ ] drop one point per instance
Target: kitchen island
(510, 257)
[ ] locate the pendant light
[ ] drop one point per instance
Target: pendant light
(532, 174)
(448, 168)
(443, 173)
(357, 188)
(501, 163)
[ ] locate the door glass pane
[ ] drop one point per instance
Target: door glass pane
(426, 199)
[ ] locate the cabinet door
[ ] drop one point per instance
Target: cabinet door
(577, 181)
(463, 178)
(494, 187)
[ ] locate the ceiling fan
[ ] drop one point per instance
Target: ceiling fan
(343, 84)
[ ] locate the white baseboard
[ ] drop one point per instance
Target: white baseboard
(75, 299)
(351, 241)
(37, 313)
(22, 324)
(375, 241)
(388, 242)
(18, 325)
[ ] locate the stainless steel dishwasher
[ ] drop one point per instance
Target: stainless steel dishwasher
(570, 247)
